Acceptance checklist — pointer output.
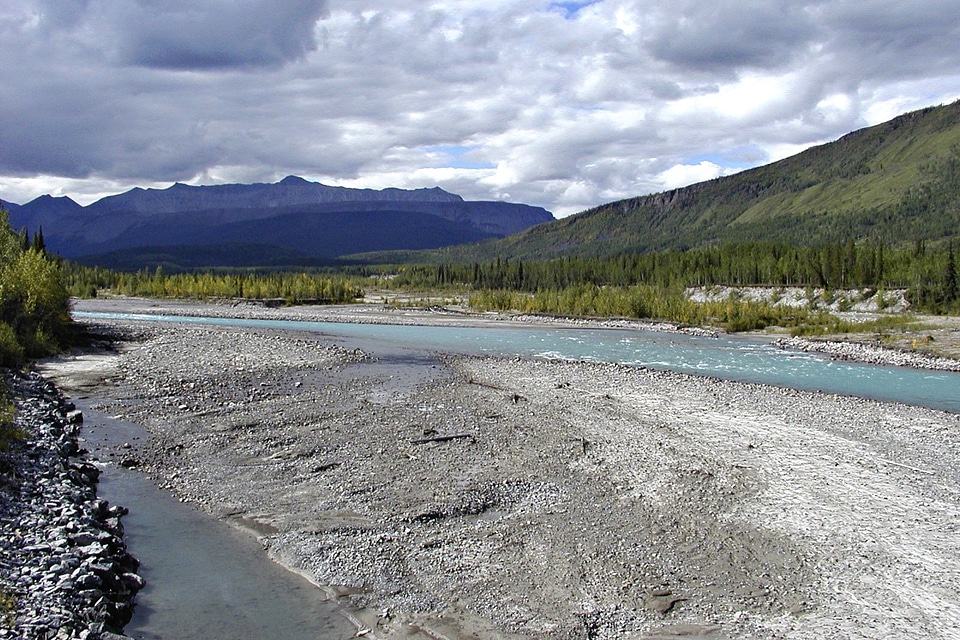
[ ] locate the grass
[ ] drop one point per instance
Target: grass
(649, 303)
(8, 609)
(880, 326)
(9, 433)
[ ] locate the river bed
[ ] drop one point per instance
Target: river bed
(204, 578)
(572, 500)
(726, 357)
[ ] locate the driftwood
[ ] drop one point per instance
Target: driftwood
(486, 384)
(906, 466)
(446, 438)
(514, 397)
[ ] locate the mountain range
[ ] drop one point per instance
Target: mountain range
(293, 222)
(894, 183)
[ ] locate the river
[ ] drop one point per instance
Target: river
(204, 578)
(725, 357)
(207, 579)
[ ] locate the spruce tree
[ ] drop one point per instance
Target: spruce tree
(38, 244)
(950, 278)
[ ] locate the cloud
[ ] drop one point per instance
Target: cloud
(725, 35)
(683, 174)
(184, 34)
(565, 105)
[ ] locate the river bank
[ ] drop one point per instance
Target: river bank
(933, 345)
(64, 569)
(460, 497)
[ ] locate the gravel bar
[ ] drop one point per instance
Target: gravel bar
(483, 497)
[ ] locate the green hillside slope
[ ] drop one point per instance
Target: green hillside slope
(895, 183)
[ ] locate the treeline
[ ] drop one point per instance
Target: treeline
(929, 275)
(292, 288)
(637, 286)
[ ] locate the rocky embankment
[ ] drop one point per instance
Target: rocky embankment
(64, 569)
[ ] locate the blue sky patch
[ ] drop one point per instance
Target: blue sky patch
(456, 156)
(570, 9)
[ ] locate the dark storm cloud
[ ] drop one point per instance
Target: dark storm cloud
(729, 34)
(186, 34)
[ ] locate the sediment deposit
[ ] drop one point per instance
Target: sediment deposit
(479, 497)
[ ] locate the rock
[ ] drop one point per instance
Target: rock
(662, 604)
(83, 539)
(60, 547)
(133, 580)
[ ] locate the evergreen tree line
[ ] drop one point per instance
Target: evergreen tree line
(34, 303)
(291, 288)
(929, 275)
(638, 286)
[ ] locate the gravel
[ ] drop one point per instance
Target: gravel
(872, 354)
(466, 497)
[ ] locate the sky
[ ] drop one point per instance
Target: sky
(564, 105)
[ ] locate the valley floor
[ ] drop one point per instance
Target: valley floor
(465, 497)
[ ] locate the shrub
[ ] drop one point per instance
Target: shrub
(11, 351)
(34, 303)
(8, 609)
(8, 411)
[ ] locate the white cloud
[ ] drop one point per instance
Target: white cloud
(562, 105)
(680, 175)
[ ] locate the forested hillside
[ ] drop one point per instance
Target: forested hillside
(896, 183)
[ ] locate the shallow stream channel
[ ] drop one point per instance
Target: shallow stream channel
(204, 578)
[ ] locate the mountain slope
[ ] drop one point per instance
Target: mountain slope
(292, 238)
(306, 219)
(895, 182)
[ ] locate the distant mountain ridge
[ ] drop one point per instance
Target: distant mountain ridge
(288, 192)
(305, 220)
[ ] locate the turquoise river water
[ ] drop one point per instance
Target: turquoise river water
(726, 357)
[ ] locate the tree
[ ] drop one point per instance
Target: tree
(950, 293)
(34, 304)
(38, 244)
